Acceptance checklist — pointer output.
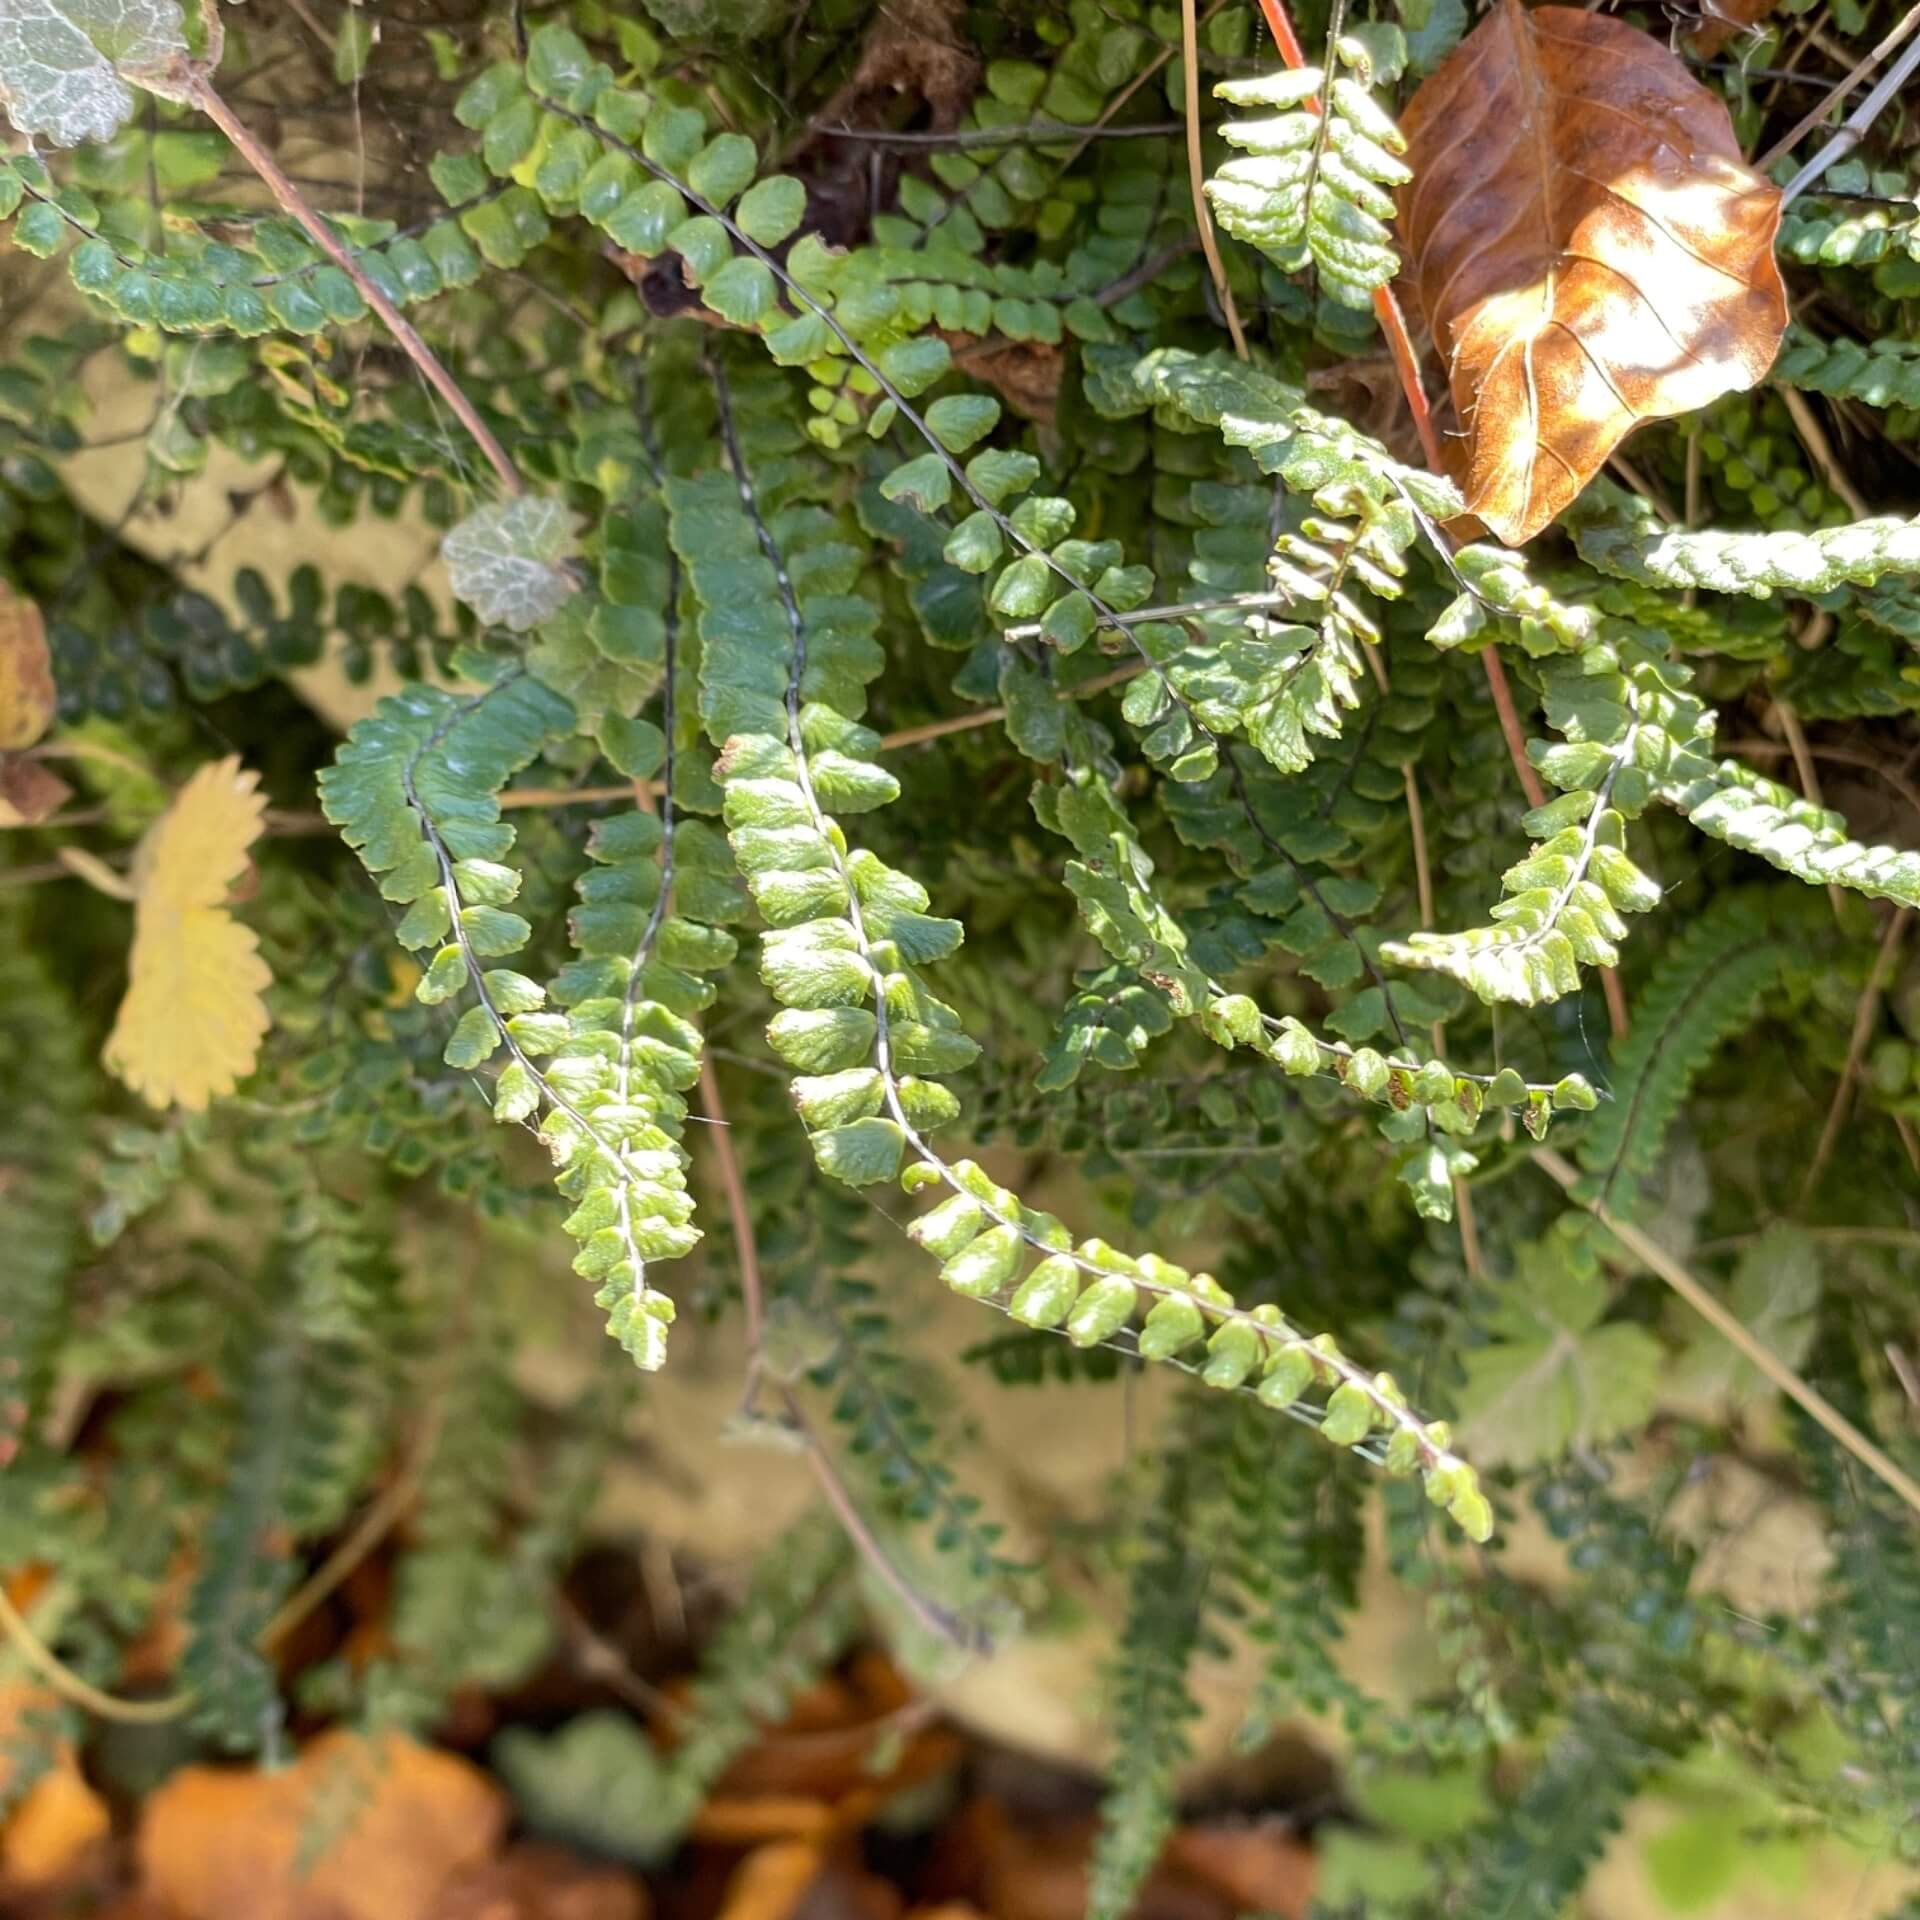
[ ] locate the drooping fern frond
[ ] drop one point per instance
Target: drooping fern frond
(796, 1615)
(415, 792)
(1297, 1551)
(1620, 710)
(304, 1433)
(1318, 184)
(787, 657)
(1528, 1861)
(454, 1575)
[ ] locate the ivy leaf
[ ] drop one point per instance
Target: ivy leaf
(1776, 1294)
(1555, 1378)
(505, 560)
(193, 1018)
(62, 62)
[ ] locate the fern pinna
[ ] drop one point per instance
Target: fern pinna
(951, 621)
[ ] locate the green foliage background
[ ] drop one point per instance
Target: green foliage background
(1231, 903)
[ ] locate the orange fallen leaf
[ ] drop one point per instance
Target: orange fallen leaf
(1588, 248)
(222, 1843)
(756, 1820)
(771, 1881)
(50, 1835)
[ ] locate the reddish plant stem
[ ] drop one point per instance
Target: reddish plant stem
(200, 89)
(1393, 323)
(1510, 728)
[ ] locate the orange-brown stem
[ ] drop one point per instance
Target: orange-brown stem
(1393, 323)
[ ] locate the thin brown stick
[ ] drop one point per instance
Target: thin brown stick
(1730, 1328)
(1867, 1007)
(383, 1514)
(1469, 1229)
(200, 90)
(1817, 113)
(1126, 93)
(1197, 175)
(1510, 727)
(1813, 436)
(1422, 868)
(1908, 1139)
(1904, 1371)
(936, 1620)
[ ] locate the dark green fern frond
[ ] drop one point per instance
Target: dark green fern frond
(1151, 1702)
(1708, 987)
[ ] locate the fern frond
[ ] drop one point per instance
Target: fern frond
(1529, 1861)
(1882, 373)
(454, 1574)
(796, 1617)
(1746, 810)
(1151, 1699)
(40, 1054)
(1298, 1546)
(1621, 709)
(1319, 184)
(415, 792)
(1707, 988)
(1619, 534)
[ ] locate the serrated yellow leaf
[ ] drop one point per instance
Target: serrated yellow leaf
(191, 1025)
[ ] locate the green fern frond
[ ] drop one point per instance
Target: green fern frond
(1620, 534)
(1151, 1700)
(1319, 184)
(1707, 989)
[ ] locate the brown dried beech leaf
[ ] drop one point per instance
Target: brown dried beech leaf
(1587, 246)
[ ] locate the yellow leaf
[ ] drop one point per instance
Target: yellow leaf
(26, 672)
(192, 1022)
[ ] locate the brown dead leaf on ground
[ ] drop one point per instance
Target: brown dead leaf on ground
(540, 1883)
(813, 1776)
(1024, 373)
(794, 1880)
(1256, 1865)
(222, 1843)
(1588, 248)
(914, 52)
(29, 790)
(1016, 1868)
(26, 672)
